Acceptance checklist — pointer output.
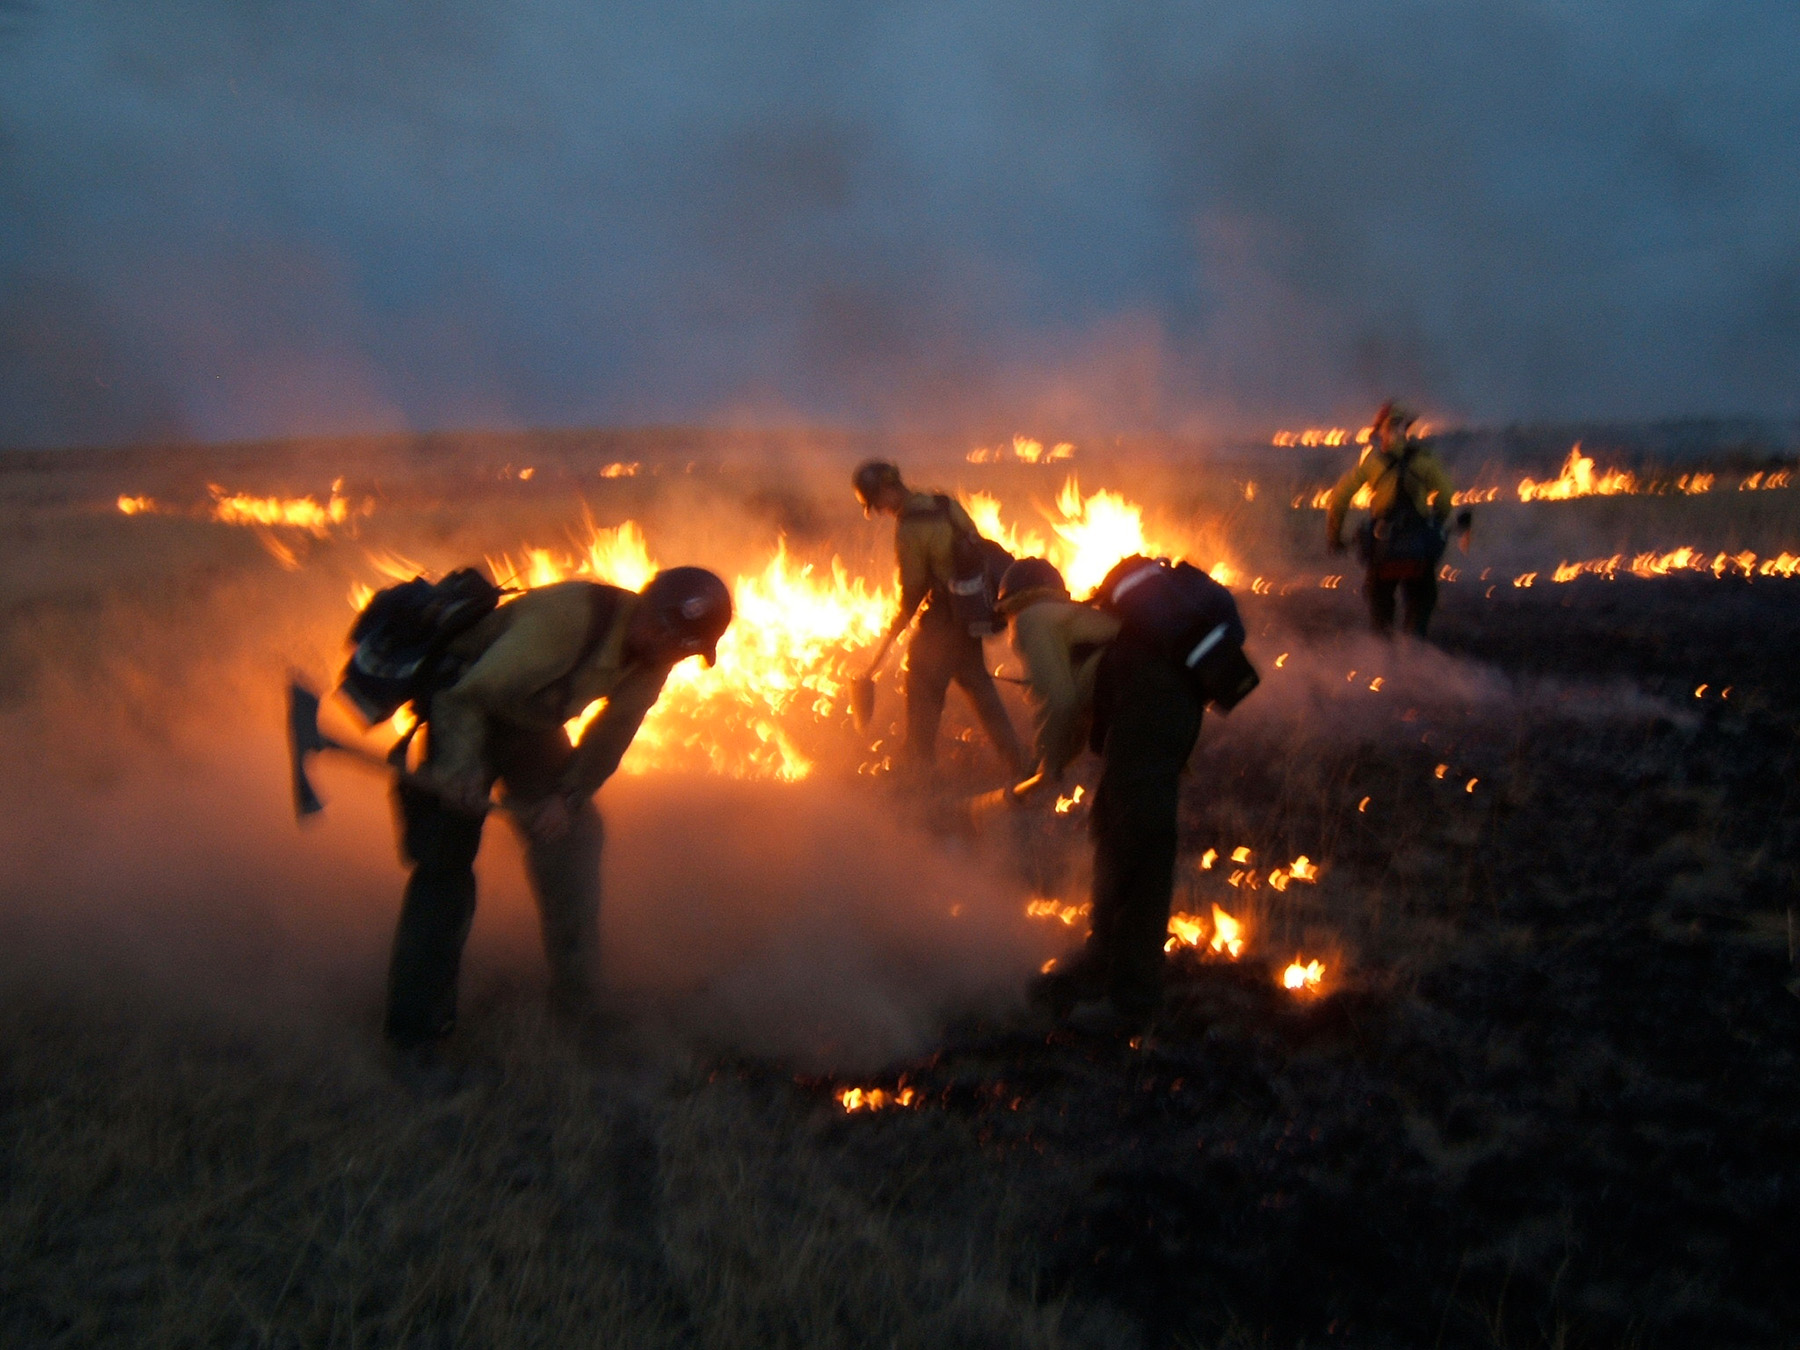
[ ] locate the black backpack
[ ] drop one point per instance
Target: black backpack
(400, 638)
(1183, 615)
(1401, 540)
(977, 563)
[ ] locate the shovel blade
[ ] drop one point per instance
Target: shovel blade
(862, 702)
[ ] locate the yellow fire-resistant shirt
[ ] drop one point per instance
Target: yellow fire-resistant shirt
(1423, 479)
(523, 654)
(924, 540)
(1047, 635)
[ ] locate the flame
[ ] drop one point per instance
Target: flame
(1023, 449)
(1317, 436)
(781, 665)
(1304, 869)
(1303, 979)
(620, 470)
(874, 1099)
(1677, 562)
(304, 513)
(1066, 804)
(1089, 533)
(1067, 915)
(1578, 479)
(1228, 934)
(1190, 930)
(132, 506)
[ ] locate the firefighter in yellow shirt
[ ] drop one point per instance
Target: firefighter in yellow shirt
(926, 526)
(1409, 515)
(526, 669)
(1092, 686)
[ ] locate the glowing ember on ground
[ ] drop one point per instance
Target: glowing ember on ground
(1065, 914)
(874, 1099)
(1192, 930)
(1303, 979)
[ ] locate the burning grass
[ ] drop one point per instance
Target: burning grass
(1504, 1055)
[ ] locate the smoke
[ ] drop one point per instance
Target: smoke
(150, 843)
(237, 221)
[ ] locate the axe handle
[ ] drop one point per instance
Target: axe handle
(374, 759)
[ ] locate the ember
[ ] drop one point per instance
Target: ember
(874, 1099)
(1303, 979)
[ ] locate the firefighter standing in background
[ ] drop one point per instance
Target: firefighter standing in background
(531, 665)
(1090, 682)
(925, 529)
(1408, 520)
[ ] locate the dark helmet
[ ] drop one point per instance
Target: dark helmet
(871, 476)
(1024, 579)
(693, 607)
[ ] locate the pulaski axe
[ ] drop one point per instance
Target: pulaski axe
(305, 738)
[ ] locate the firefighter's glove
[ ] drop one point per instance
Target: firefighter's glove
(464, 792)
(548, 819)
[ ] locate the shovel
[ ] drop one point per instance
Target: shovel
(862, 689)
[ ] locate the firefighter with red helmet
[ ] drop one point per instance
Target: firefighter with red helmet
(1409, 517)
(926, 529)
(525, 670)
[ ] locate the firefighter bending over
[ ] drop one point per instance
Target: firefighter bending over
(526, 669)
(1093, 681)
(1409, 516)
(927, 527)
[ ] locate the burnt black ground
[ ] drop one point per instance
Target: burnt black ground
(1556, 1103)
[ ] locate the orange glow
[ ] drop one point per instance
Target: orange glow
(1316, 436)
(1066, 804)
(132, 506)
(304, 513)
(1303, 979)
(1191, 930)
(1067, 915)
(874, 1099)
(1228, 934)
(1023, 449)
(620, 470)
(1578, 479)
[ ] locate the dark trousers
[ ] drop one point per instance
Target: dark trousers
(942, 651)
(439, 905)
(1151, 721)
(1420, 593)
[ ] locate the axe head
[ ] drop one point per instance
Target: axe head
(304, 738)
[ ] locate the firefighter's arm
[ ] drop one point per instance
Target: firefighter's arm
(609, 735)
(1339, 504)
(914, 559)
(1044, 636)
(533, 652)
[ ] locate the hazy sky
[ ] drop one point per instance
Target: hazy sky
(231, 218)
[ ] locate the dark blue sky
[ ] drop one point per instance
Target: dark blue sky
(231, 218)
